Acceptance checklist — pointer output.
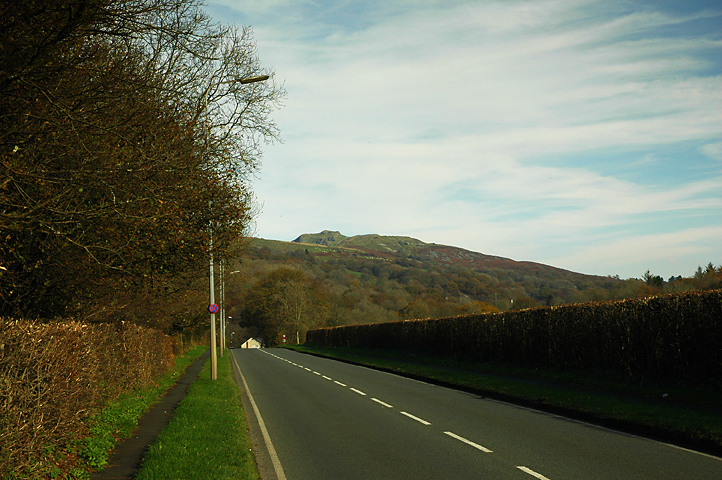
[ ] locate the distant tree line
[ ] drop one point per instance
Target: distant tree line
(124, 140)
(707, 278)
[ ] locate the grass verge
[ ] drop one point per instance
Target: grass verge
(688, 417)
(119, 418)
(208, 436)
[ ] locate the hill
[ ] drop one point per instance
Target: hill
(327, 278)
(434, 256)
(378, 243)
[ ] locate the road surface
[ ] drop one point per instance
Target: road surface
(331, 420)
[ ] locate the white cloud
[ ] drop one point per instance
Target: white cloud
(712, 150)
(663, 254)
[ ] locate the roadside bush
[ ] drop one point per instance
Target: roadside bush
(671, 337)
(53, 376)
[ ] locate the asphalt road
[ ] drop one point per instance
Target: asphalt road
(330, 420)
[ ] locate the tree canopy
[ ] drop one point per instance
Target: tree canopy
(125, 139)
(283, 302)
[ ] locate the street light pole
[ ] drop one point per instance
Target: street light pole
(222, 337)
(214, 359)
(223, 305)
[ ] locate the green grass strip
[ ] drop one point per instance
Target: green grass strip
(208, 436)
(690, 418)
(120, 417)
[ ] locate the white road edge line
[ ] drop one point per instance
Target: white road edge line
(692, 451)
(339, 383)
(468, 442)
(262, 425)
(532, 473)
(382, 403)
(420, 420)
(357, 391)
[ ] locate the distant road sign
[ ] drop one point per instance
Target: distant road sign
(213, 308)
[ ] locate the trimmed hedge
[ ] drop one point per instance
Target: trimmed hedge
(671, 337)
(53, 376)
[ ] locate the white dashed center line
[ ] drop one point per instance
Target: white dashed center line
(468, 442)
(526, 470)
(420, 420)
(532, 473)
(382, 403)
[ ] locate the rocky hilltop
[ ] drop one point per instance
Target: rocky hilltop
(395, 247)
(330, 238)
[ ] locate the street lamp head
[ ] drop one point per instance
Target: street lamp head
(260, 78)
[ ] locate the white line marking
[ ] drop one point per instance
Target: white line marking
(262, 425)
(532, 473)
(420, 420)
(307, 369)
(339, 383)
(327, 378)
(382, 403)
(315, 372)
(468, 442)
(358, 391)
(692, 451)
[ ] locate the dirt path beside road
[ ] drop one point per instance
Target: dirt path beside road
(125, 460)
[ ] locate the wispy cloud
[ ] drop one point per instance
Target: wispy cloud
(712, 150)
(526, 129)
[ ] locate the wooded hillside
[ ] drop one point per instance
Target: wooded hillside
(330, 279)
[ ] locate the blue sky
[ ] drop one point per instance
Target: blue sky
(582, 134)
